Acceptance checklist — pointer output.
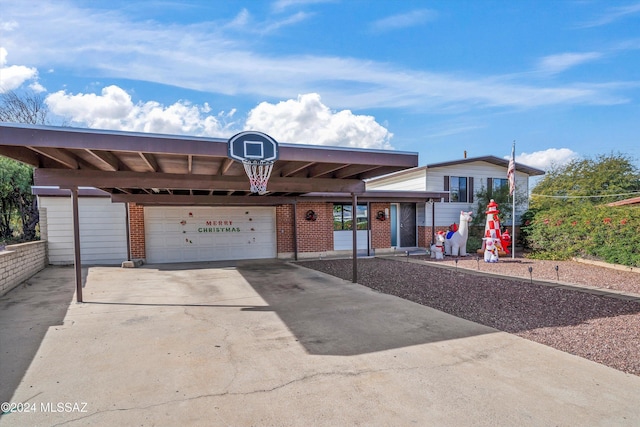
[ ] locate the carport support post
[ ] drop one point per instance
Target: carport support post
(76, 242)
(354, 228)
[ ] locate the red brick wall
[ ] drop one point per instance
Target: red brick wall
(380, 230)
(136, 231)
(284, 229)
(315, 236)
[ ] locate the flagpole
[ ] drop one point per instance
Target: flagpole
(513, 212)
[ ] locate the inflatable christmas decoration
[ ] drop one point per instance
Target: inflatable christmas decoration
(492, 232)
(505, 239)
(490, 250)
(456, 243)
(437, 249)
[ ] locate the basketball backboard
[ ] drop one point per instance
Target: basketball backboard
(252, 146)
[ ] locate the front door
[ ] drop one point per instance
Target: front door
(407, 225)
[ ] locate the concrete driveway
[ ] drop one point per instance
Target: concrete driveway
(271, 343)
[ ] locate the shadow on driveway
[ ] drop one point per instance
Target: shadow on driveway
(329, 316)
(26, 313)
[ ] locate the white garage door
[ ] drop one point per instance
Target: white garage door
(183, 234)
(103, 230)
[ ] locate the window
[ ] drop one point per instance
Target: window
(498, 187)
(460, 188)
(499, 183)
(343, 218)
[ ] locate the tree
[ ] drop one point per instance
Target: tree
(587, 181)
(570, 216)
(18, 208)
(28, 107)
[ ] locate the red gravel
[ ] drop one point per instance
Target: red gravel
(600, 329)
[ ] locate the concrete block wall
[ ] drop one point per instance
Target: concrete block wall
(19, 262)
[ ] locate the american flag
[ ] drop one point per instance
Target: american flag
(511, 171)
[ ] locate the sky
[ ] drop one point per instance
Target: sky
(561, 78)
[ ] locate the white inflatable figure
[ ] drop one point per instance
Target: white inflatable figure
(490, 250)
(456, 244)
(437, 249)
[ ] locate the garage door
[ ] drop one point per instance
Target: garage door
(183, 234)
(103, 230)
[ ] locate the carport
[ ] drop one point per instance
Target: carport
(164, 170)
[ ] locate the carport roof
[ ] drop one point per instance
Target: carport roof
(170, 168)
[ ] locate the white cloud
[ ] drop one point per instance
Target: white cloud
(212, 58)
(281, 5)
(306, 120)
(13, 76)
(114, 109)
(553, 64)
(545, 159)
(403, 20)
(613, 14)
(8, 26)
(291, 20)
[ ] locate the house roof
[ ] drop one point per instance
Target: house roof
(531, 171)
(184, 169)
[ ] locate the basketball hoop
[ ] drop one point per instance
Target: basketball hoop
(258, 172)
(257, 152)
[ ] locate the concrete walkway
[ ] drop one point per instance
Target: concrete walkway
(270, 343)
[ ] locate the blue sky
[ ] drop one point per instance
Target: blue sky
(561, 78)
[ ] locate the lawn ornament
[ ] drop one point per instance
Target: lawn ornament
(490, 250)
(505, 240)
(456, 244)
(492, 227)
(437, 249)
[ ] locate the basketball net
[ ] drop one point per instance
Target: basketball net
(258, 172)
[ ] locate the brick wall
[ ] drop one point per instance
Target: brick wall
(19, 262)
(136, 231)
(315, 236)
(284, 229)
(380, 230)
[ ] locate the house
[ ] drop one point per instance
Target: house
(168, 198)
(460, 180)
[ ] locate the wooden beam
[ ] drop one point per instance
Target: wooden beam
(22, 154)
(76, 243)
(293, 168)
(150, 161)
(324, 169)
(186, 200)
(59, 155)
(354, 170)
(224, 167)
(106, 159)
(128, 179)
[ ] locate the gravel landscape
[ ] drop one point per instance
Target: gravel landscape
(601, 329)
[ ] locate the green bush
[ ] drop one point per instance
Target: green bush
(602, 232)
